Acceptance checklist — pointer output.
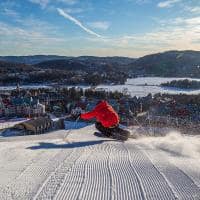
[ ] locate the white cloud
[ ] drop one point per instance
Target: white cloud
(21, 41)
(8, 8)
(178, 33)
(103, 25)
(10, 12)
(74, 10)
(77, 22)
(42, 3)
(17, 33)
(8, 4)
(193, 21)
(167, 4)
(194, 9)
(69, 2)
(184, 21)
(142, 1)
(139, 1)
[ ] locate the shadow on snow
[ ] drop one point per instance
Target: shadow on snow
(45, 145)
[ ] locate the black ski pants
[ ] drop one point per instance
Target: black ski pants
(106, 131)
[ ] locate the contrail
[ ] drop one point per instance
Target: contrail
(67, 16)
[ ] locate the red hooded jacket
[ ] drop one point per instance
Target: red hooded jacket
(104, 113)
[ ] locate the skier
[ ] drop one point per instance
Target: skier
(107, 121)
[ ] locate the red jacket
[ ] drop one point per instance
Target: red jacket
(104, 113)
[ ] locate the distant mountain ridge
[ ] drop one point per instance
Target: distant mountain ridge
(32, 59)
(87, 64)
(167, 64)
(62, 64)
(35, 59)
(170, 63)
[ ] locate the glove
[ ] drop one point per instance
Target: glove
(76, 116)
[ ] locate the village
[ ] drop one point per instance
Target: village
(39, 105)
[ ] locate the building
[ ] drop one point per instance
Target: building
(21, 107)
(35, 126)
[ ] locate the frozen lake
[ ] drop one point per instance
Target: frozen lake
(143, 86)
(136, 86)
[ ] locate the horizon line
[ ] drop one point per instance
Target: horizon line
(96, 55)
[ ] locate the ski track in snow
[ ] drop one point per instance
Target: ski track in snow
(31, 175)
(94, 168)
(148, 176)
(182, 184)
(96, 175)
(52, 184)
(190, 168)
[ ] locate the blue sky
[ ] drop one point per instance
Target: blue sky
(103, 28)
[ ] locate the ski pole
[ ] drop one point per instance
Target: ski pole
(76, 122)
(68, 132)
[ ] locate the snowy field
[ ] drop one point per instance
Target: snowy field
(84, 166)
(137, 87)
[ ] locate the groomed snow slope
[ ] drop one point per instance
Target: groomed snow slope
(88, 167)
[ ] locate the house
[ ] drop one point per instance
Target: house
(35, 126)
(21, 106)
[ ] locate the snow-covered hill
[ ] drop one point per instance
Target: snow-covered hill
(87, 167)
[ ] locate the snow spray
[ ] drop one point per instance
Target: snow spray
(174, 143)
